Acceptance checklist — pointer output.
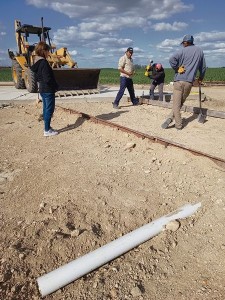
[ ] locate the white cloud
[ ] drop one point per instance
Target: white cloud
(108, 27)
(169, 43)
(176, 26)
(155, 9)
(73, 52)
(72, 33)
(210, 36)
(115, 42)
(203, 39)
(212, 43)
(101, 23)
(100, 50)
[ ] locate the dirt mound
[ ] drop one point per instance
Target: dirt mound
(64, 196)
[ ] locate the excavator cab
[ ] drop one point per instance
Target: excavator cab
(70, 78)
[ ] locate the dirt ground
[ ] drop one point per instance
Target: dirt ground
(64, 196)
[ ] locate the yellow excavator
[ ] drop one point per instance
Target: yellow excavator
(70, 78)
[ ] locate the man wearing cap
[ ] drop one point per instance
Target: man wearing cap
(126, 68)
(186, 63)
(157, 79)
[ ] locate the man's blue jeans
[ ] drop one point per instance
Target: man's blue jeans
(125, 83)
(48, 100)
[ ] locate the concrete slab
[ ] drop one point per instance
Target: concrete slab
(10, 93)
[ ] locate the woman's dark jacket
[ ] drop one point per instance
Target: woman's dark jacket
(45, 76)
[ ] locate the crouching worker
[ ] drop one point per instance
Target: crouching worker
(157, 77)
(47, 85)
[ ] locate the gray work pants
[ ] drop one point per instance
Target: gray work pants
(181, 90)
(160, 89)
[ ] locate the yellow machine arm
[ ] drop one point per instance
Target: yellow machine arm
(22, 44)
(61, 57)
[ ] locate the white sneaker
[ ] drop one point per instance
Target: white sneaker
(51, 132)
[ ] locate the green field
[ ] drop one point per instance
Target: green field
(111, 76)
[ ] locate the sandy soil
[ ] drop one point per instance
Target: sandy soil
(62, 197)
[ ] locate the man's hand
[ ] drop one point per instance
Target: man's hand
(181, 70)
(130, 73)
(199, 80)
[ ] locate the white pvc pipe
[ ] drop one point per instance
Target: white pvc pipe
(64, 275)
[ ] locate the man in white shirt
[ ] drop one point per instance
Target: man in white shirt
(126, 68)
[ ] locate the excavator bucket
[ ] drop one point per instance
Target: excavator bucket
(76, 78)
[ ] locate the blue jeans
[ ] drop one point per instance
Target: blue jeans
(125, 83)
(48, 100)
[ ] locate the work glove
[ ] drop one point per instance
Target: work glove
(181, 70)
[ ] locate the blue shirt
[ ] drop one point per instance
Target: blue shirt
(193, 60)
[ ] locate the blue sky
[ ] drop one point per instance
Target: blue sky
(98, 32)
